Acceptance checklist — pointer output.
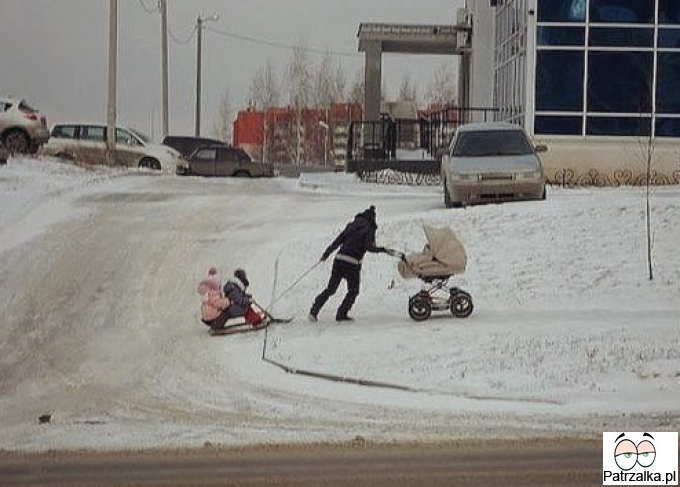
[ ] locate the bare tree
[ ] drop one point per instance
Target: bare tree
(264, 91)
(299, 78)
(647, 146)
(408, 90)
(323, 93)
(339, 82)
(222, 125)
(442, 90)
(357, 88)
(299, 86)
(329, 82)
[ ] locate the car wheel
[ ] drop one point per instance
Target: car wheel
(17, 142)
(447, 196)
(241, 174)
(150, 163)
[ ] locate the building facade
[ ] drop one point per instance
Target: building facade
(598, 81)
(307, 137)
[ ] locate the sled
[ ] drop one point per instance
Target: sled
(244, 327)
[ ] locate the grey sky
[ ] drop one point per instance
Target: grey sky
(54, 53)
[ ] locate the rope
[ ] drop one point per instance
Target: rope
(297, 281)
(282, 294)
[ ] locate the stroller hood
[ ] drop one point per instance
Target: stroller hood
(443, 255)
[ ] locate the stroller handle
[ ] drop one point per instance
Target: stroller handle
(395, 253)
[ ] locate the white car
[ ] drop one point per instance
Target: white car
(23, 129)
(491, 162)
(86, 144)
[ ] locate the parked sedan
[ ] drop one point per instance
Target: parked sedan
(220, 160)
(23, 129)
(491, 162)
(186, 144)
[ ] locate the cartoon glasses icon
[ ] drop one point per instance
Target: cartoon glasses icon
(627, 454)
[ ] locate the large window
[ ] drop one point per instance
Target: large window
(668, 83)
(622, 11)
(669, 12)
(620, 82)
(607, 67)
(559, 81)
(561, 10)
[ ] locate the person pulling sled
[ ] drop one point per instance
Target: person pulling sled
(221, 303)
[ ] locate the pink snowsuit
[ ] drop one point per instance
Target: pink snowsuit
(213, 302)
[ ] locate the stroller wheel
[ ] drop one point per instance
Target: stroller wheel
(419, 308)
(461, 304)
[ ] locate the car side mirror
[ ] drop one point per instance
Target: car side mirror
(541, 148)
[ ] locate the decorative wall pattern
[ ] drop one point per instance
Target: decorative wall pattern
(621, 177)
(562, 177)
(401, 178)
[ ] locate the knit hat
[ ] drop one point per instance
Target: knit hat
(369, 214)
(240, 274)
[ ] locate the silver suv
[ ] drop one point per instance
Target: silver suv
(22, 129)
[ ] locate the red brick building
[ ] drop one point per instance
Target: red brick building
(312, 136)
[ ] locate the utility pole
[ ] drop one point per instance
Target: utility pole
(164, 54)
(326, 129)
(199, 27)
(111, 104)
(197, 121)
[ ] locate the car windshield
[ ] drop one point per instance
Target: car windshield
(491, 143)
(144, 138)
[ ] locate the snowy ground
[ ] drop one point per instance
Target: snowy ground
(100, 328)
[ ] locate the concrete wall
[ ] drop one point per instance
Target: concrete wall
(609, 162)
(482, 58)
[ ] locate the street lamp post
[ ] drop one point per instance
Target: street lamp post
(199, 28)
(326, 128)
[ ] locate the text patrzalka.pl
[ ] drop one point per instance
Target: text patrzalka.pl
(646, 476)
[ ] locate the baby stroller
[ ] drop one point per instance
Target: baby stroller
(442, 257)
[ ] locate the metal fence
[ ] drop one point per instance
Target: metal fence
(378, 151)
(431, 133)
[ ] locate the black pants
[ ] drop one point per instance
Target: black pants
(219, 322)
(341, 270)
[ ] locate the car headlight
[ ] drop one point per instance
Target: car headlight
(529, 175)
(465, 177)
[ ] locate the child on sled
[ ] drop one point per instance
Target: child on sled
(221, 303)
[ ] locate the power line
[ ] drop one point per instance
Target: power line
(280, 45)
(185, 41)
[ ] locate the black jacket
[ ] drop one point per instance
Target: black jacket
(357, 238)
